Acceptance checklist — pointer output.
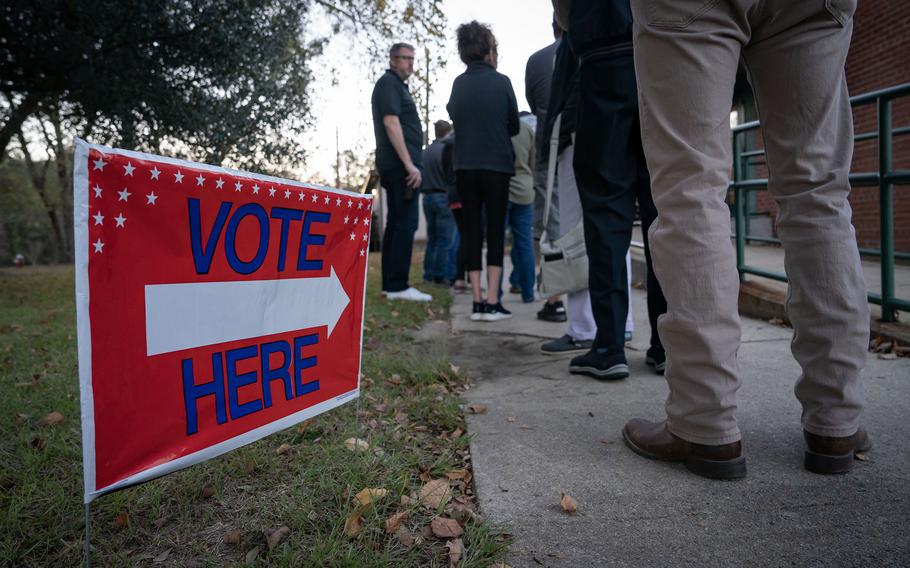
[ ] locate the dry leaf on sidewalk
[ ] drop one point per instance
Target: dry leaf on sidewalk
(477, 408)
(569, 505)
(446, 528)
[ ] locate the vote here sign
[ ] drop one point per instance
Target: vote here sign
(214, 307)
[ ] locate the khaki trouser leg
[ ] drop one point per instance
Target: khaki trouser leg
(686, 65)
(797, 69)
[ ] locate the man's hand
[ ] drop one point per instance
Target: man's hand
(414, 178)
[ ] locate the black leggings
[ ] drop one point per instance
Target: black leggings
(483, 191)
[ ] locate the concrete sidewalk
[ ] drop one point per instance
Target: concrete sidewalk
(546, 431)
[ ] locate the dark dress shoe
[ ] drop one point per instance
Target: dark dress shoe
(653, 440)
(827, 454)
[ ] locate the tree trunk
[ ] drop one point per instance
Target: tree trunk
(39, 182)
(62, 160)
(13, 124)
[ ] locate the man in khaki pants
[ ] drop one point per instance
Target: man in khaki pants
(686, 57)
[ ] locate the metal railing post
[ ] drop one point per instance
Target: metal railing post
(886, 207)
(738, 207)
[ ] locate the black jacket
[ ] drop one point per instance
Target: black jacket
(483, 108)
(596, 25)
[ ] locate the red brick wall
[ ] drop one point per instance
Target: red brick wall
(879, 57)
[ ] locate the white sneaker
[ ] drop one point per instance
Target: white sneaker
(412, 294)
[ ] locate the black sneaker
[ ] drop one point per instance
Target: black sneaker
(495, 312)
(656, 357)
(600, 365)
(477, 311)
(566, 344)
(555, 312)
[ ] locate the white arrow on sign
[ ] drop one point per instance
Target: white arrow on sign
(184, 316)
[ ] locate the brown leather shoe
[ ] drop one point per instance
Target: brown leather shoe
(827, 454)
(653, 440)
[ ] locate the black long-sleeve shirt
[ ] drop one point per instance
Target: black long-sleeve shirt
(485, 113)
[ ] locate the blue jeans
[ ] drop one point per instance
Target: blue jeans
(519, 219)
(440, 236)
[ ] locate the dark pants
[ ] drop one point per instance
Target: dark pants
(483, 192)
(461, 266)
(398, 238)
(611, 173)
(440, 237)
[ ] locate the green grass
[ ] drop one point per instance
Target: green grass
(308, 489)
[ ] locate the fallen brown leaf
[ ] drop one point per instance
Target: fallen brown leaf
(456, 549)
(393, 523)
(232, 537)
(569, 505)
(424, 476)
(38, 443)
(20, 418)
(283, 449)
(368, 495)
(457, 433)
(302, 427)
(122, 520)
(861, 456)
(458, 474)
(396, 379)
(477, 408)
(160, 522)
(405, 537)
(435, 493)
(251, 555)
(52, 419)
(406, 501)
(162, 557)
(443, 527)
(208, 491)
(356, 445)
(275, 536)
(455, 368)
(354, 522)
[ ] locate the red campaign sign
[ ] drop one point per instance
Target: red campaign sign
(214, 307)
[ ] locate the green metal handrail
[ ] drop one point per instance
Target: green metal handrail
(885, 178)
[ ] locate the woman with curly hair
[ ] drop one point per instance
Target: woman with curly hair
(485, 114)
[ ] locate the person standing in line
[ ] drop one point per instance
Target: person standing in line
(440, 222)
(399, 137)
(612, 175)
(538, 76)
(686, 62)
(484, 111)
(520, 211)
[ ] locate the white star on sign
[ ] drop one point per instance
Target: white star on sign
(338, 202)
(124, 195)
(315, 198)
(287, 193)
(356, 220)
(97, 189)
(364, 236)
(271, 192)
(128, 169)
(362, 252)
(200, 180)
(155, 172)
(178, 177)
(120, 220)
(360, 205)
(99, 164)
(98, 245)
(300, 197)
(98, 217)
(237, 186)
(350, 203)
(352, 236)
(255, 190)
(366, 221)
(346, 219)
(219, 183)
(151, 197)
(327, 199)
